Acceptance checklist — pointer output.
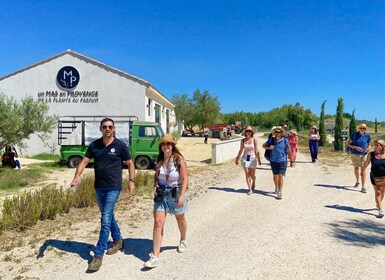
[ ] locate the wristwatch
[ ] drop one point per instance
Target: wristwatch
(132, 180)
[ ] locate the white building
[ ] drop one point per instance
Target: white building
(73, 84)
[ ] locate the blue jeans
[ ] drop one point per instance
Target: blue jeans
(106, 201)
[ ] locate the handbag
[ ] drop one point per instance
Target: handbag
(379, 181)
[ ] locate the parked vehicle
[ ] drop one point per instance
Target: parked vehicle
(75, 133)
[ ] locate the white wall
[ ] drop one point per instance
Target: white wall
(117, 94)
(225, 150)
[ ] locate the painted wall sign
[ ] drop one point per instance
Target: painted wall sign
(68, 77)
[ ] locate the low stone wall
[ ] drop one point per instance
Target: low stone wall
(225, 150)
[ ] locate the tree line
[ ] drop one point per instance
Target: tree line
(202, 108)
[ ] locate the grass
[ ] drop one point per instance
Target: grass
(14, 179)
(46, 156)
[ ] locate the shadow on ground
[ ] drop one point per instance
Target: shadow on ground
(80, 248)
(245, 191)
(346, 188)
(364, 233)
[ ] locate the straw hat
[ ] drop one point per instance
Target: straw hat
(275, 128)
(167, 138)
(294, 131)
(249, 128)
(314, 126)
(362, 126)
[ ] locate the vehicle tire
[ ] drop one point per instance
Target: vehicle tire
(74, 161)
(142, 162)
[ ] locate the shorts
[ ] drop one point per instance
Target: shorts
(278, 167)
(252, 163)
(358, 160)
(169, 204)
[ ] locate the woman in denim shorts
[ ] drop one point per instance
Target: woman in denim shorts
(170, 186)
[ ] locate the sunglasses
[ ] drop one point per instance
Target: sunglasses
(108, 126)
(248, 131)
(277, 131)
(166, 144)
(362, 128)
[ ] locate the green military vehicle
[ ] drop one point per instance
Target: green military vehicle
(75, 133)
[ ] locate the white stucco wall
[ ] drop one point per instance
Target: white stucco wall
(225, 150)
(116, 93)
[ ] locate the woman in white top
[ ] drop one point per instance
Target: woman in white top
(170, 186)
(250, 156)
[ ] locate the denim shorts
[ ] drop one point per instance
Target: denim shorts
(278, 167)
(169, 204)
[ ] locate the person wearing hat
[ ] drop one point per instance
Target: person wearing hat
(377, 173)
(359, 143)
(170, 186)
(280, 151)
(293, 140)
(250, 154)
(313, 137)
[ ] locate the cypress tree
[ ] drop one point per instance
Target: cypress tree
(338, 143)
(322, 128)
(352, 124)
(375, 125)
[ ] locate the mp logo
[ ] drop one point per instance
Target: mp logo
(68, 77)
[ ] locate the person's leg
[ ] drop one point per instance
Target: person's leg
(357, 173)
(315, 150)
(182, 225)
(280, 182)
(106, 200)
(276, 180)
(248, 179)
(377, 196)
(159, 220)
(252, 176)
(311, 148)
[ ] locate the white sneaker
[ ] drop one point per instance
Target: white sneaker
(182, 246)
(380, 213)
(276, 190)
(279, 195)
(152, 262)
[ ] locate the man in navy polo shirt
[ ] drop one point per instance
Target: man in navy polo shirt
(360, 144)
(108, 154)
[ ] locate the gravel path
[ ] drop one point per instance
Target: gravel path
(322, 229)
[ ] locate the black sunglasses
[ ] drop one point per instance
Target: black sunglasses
(109, 126)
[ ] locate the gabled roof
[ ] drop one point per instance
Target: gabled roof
(85, 58)
(95, 62)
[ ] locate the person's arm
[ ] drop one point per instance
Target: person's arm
(131, 176)
(184, 175)
(256, 151)
(318, 136)
(239, 152)
(367, 162)
(79, 170)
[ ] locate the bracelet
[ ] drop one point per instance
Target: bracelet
(132, 180)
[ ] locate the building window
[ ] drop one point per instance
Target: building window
(157, 113)
(149, 107)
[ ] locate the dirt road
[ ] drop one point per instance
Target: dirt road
(323, 228)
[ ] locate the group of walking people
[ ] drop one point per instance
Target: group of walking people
(171, 178)
(281, 147)
(170, 187)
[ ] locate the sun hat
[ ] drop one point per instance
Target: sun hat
(275, 128)
(380, 141)
(167, 138)
(249, 128)
(294, 131)
(362, 126)
(314, 126)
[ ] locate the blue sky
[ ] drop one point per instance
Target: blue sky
(253, 55)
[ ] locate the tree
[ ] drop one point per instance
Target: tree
(199, 110)
(322, 128)
(19, 120)
(352, 124)
(375, 125)
(338, 143)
